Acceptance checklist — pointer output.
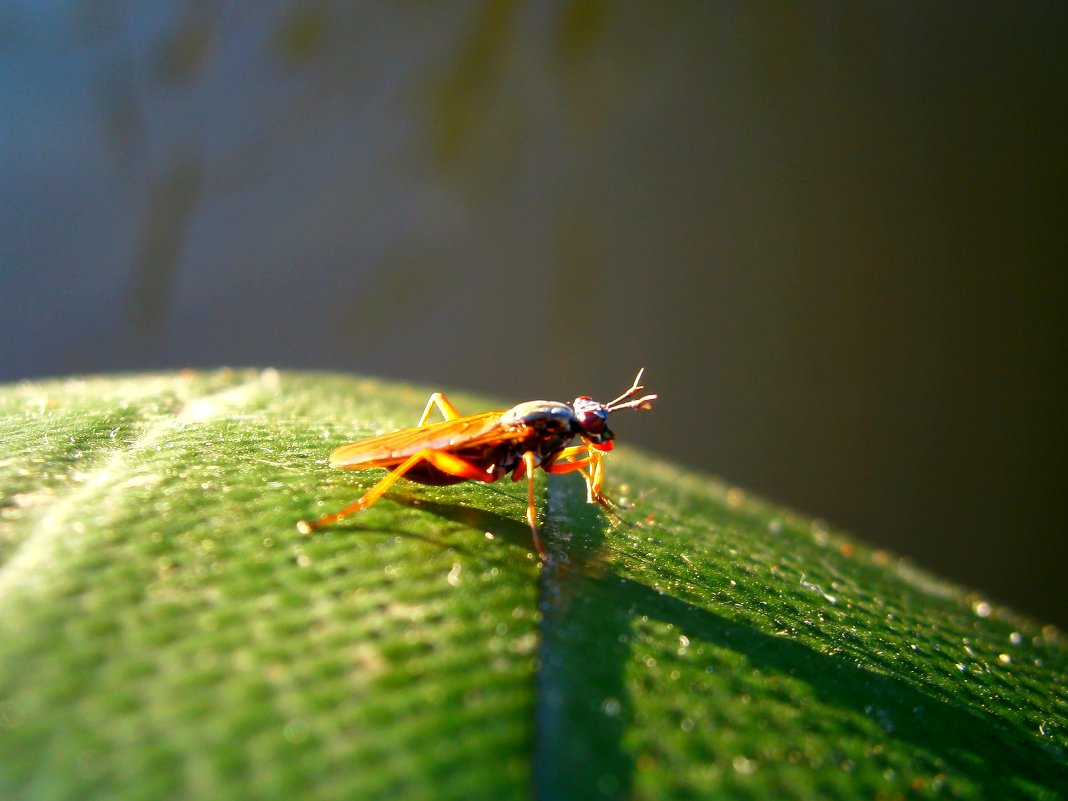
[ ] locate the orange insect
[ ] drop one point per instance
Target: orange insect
(489, 446)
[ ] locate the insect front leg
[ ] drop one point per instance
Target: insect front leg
(594, 481)
(591, 466)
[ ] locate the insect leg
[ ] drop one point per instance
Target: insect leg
(532, 511)
(594, 481)
(567, 461)
(596, 476)
(567, 467)
(448, 411)
(571, 454)
(446, 462)
(593, 462)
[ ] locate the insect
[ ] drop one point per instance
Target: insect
(488, 446)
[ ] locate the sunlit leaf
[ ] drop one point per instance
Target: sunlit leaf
(165, 632)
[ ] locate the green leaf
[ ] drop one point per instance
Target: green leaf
(165, 632)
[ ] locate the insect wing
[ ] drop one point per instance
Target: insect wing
(390, 449)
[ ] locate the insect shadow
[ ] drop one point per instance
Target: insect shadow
(584, 705)
(587, 652)
(502, 527)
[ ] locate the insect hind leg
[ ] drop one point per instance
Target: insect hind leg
(448, 411)
(446, 462)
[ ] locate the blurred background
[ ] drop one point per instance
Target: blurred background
(834, 235)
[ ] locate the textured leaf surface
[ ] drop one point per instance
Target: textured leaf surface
(166, 633)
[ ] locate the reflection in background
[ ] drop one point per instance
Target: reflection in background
(833, 237)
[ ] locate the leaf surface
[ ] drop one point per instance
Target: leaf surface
(165, 632)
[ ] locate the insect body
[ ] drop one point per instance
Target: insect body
(489, 446)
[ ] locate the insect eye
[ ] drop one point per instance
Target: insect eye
(592, 416)
(593, 422)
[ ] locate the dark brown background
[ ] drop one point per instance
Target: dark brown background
(834, 236)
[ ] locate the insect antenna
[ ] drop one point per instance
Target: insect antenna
(644, 402)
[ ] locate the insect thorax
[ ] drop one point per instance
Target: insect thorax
(550, 417)
(550, 425)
